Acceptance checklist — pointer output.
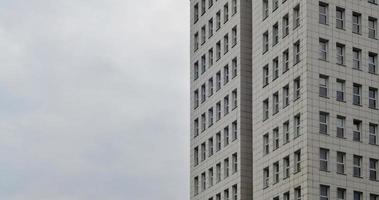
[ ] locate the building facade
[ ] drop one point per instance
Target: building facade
(284, 99)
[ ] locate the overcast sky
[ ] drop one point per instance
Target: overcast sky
(94, 99)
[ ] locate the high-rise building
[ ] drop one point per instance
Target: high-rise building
(284, 100)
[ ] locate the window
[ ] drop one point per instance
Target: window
(372, 62)
(234, 7)
(196, 99)
(218, 80)
(196, 13)
(285, 24)
(203, 35)
(323, 85)
(234, 192)
(276, 172)
(202, 7)
(357, 23)
(234, 163)
(286, 132)
(196, 41)
(275, 5)
(265, 109)
(226, 74)
(372, 27)
(226, 43)
(340, 51)
(297, 161)
(324, 159)
(340, 126)
(226, 167)
(196, 127)
(210, 117)
(285, 61)
(196, 71)
(296, 85)
(210, 177)
(196, 185)
(286, 167)
(218, 111)
(286, 100)
(324, 192)
(296, 50)
(357, 130)
(234, 99)
(218, 196)
(203, 93)
(226, 136)
(266, 146)
(234, 67)
(286, 196)
(196, 156)
(373, 165)
(275, 103)
(265, 75)
(374, 197)
(341, 194)
(275, 34)
(357, 164)
(275, 68)
(323, 13)
(358, 195)
(203, 151)
(275, 137)
(265, 42)
(341, 162)
(218, 141)
(340, 18)
(276, 198)
(297, 193)
(210, 3)
(218, 173)
(234, 130)
(297, 125)
(218, 50)
(357, 93)
(226, 105)
(373, 130)
(357, 56)
(340, 90)
(323, 49)
(210, 147)
(373, 2)
(203, 64)
(226, 12)
(265, 9)
(210, 57)
(203, 122)
(218, 20)
(210, 27)
(234, 36)
(373, 96)
(296, 17)
(210, 87)
(324, 121)
(203, 182)
(266, 177)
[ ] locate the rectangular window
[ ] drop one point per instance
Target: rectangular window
(266, 145)
(226, 43)
(226, 105)
(226, 74)
(234, 36)
(286, 92)
(226, 167)
(275, 137)
(373, 133)
(296, 52)
(323, 13)
(265, 9)
(196, 41)
(234, 67)
(373, 168)
(196, 127)
(196, 99)
(235, 163)
(286, 132)
(218, 141)
(218, 80)
(265, 109)
(210, 27)
(210, 87)
(203, 182)
(297, 192)
(275, 103)
(372, 62)
(276, 172)
(340, 126)
(196, 156)
(324, 159)
(210, 3)
(218, 50)
(297, 127)
(275, 34)
(296, 86)
(341, 194)
(324, 121)
(203, 93)
(203, 64)
(266, 177)
(210, 57)
(234, 192)
(374, 197)
(357, 93)
(210, 117)
(275, 68)
(323, 85)
(357, 124)
(265, 42)
(372, 27)
(285, 24)
(340, 18)
(196, 13)
(210, 177)
(218, 196)
(297, 161)
(226, 136)
(324, 192)
(285, 61)
(275, 5)
(226, 12)
(358, 195)
(234, 130)
(202, 7)
(196, 185)
(323, 47)
(340, 51)
(210, 147)
(234, 99)
(372, 97)
(203, 35)
(265, 75)
(286, 196)
(218, 20)
(234, 7)
(218, 111)
(341, 162)
(296, 17)
(218, 173)
(203, 151)
(286, 167)
(357, 23)
(357, 58)
(203, 122)
(357, 166)
(196, 70)
(340, 91)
